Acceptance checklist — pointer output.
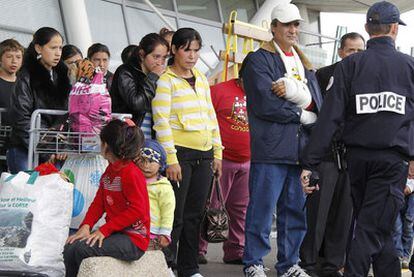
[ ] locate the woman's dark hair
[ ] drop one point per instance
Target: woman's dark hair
(123, 140)
(147, 44)
(165, 32)
(98, 47)
(70, 50)
(41, 37)
(183, 38)
(150, 41)
(127, 52)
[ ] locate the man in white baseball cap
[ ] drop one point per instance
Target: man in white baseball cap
(279, 120)
(286, 13)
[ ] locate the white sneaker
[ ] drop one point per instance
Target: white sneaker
(171, 272)
(255, 271)
(196, 275)
(295, 271)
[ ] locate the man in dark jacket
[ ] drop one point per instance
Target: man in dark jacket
(329, 210)
(279, 129)
(372, 97)
(350, 43)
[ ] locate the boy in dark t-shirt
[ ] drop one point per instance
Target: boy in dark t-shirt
(11, 57)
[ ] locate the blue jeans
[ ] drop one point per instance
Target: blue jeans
(17, 159)
(403, 229)
(272, 185)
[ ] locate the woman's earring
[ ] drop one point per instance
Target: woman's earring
(39, 56)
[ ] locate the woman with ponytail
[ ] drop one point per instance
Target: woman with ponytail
(43, 83)
(134, 82)
(187, 128)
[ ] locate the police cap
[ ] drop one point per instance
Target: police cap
(384, 13)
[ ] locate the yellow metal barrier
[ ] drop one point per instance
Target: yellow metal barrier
(249, 33)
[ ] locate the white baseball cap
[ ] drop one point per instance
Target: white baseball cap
(286, 13)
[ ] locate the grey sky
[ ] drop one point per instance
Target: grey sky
(355, 23)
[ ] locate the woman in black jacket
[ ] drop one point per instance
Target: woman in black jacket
(42, 84)
(134, 82)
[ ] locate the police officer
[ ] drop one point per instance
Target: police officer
(372, 96)
(329, 210)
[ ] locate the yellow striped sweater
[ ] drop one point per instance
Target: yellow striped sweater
(185, 117)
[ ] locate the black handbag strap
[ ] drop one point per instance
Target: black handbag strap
(215, 184)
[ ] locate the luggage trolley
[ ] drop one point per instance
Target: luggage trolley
(48, 141)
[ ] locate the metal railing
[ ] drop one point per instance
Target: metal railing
(61, 140)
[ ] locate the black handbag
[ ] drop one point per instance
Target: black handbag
(215, 222)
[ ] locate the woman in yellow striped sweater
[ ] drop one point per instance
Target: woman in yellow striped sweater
(186, 126)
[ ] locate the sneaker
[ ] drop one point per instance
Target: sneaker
(371, 271)
(405, 262)
(256, 270)
(171, 272)
(201, 259)
(196, 275)
(295, 271)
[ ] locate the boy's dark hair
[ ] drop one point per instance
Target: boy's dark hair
(10, 45)
(183, 38)
(351, 36)
(123, 140)
(70, 50)
(98, 47)
(128, 52)
(378, 29)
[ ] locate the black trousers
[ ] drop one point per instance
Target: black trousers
(191, 196)
(377, 182)
(329, 213)
(118, 246)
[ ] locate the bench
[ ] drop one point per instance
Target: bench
(151, 264)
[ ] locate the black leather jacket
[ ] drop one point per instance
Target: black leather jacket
(132, 91)
(36, 90)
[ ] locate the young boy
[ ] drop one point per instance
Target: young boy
(152, 163)
(11, 58)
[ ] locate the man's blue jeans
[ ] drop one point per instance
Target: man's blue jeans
(17, 159)
(403, 229)
(272, 185)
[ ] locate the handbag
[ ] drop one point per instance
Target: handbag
(215, 222)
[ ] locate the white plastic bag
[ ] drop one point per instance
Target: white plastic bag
(35, 214)
(85, 171)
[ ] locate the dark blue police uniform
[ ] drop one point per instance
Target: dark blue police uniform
(373, 97)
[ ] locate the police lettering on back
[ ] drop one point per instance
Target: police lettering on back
(385, 101)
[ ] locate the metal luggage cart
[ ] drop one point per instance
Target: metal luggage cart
(5, 131)
(48, 141)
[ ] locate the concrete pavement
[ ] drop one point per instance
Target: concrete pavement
(216, 267)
